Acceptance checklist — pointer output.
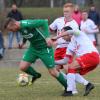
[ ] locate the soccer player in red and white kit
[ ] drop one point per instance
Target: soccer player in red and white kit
(57, 25)
(87, 57)
(89, 27)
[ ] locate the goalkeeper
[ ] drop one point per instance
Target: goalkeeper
(37, 33)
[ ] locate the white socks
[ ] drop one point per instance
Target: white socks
(72, 78)
(80, 79)
(71, 82)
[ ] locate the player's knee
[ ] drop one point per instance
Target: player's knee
(59, 67)
(23, 67)
(53, 72)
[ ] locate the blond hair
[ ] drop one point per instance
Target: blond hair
(68, 5)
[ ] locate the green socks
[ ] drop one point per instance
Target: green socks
(62, 80)
(32, 72)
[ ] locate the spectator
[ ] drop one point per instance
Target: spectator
(94, 15)
(77, 15)
(1, 46)
(89, 27)
(14, 13)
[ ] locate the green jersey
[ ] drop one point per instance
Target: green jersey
(35, 31)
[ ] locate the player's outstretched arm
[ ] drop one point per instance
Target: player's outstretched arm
(59, 36)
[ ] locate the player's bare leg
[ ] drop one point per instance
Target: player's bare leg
(25, 66)
(59, 76)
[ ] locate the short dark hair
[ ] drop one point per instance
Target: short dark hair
(8, 21)
(66, 28)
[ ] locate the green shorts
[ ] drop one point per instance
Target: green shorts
(46, 55)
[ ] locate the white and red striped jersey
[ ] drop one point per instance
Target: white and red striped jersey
(80, 45)
(58, 24)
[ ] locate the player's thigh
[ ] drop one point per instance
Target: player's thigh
(84, 71)
(29, 55)
(48, 58)
(88, 62)
(89, 59)
(60, 53)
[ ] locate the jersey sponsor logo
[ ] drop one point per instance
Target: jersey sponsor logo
(50, 65)
(28, 36)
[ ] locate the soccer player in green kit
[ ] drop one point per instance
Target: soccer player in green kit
(37, 33)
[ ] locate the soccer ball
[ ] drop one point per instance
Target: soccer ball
(23, 79)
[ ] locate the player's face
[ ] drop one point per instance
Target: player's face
(67, 37)
(12, 28)
(14, 7)
(84, 15)
(92, 8)
(76, 8)
(67, 12)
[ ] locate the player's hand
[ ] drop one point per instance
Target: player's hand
(49, 42)
(21, 46)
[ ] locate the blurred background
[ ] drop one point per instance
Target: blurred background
(36, 8)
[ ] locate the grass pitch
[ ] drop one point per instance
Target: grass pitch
(45, 88)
